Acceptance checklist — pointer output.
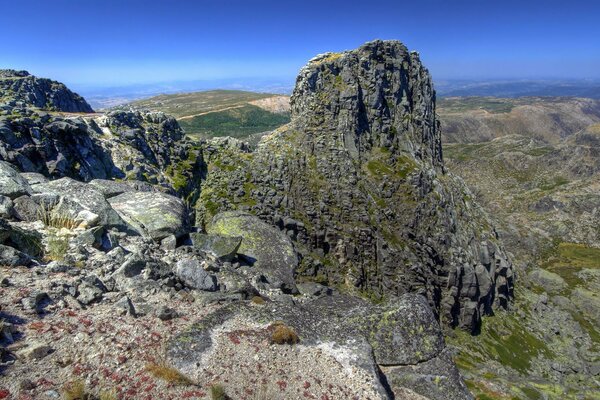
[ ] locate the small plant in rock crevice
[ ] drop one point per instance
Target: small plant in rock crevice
(54, 218)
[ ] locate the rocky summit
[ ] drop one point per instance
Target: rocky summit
(326, 262)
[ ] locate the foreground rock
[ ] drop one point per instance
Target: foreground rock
(344, 332)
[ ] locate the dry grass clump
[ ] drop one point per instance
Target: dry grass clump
(169, 374)
(283, 334)
(56, 219)
(217, 392)
(76, 390)
(258, 300)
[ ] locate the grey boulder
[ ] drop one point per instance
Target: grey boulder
(269, 250)
(191, 272)
(152, 214)
(12, 184)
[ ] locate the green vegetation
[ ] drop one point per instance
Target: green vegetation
(567, 259)
(185, 104)
(462, 104)
(237, 122)
(283, 334)
(217, 392)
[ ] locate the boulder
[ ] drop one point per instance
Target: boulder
(191, 272)
(13, 257)
(12, 184)
(152, 214)
(78, 201)
(221, 247)
(269, 250)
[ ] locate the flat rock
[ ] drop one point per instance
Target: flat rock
(152, 214)
(358, 334)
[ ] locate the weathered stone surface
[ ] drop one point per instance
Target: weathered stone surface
(221, 247)
(13, 257)
(192, 273)
(12, 184)
(269, 250)
(40, 92)
(113, 188)
(362, 336)
(152, 214)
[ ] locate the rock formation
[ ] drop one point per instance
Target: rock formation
(19, 87)
(357, 180)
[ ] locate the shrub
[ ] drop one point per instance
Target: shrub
(217, 392)
(283, 334)
(169, 374)
(76, 390)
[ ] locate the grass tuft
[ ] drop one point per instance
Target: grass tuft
(258, 300)
(75, 391)
(217, 392)
(56, 219)
(169, 374)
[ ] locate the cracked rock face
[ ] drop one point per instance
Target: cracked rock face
(357, 180)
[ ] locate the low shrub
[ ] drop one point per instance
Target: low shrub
(283, 334)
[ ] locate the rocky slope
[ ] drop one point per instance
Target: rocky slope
(357, 180)
(543, 193)
(19, 87)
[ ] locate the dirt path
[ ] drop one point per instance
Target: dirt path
(212, 111)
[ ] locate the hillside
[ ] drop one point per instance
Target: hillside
(221, 112)
(542, 188)
(550, 119)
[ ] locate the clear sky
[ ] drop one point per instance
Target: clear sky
(120, 42)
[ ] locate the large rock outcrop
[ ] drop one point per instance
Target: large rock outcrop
(22, 87)
(357, 180)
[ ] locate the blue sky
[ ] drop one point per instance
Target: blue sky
(121, 42)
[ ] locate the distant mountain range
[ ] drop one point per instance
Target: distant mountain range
(107, 97)
(518, 88)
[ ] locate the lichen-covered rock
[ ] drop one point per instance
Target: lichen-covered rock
(81, 202)
(152, 214)
(20, 86)
(12, 184)
(221, 247)
(266, 248)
